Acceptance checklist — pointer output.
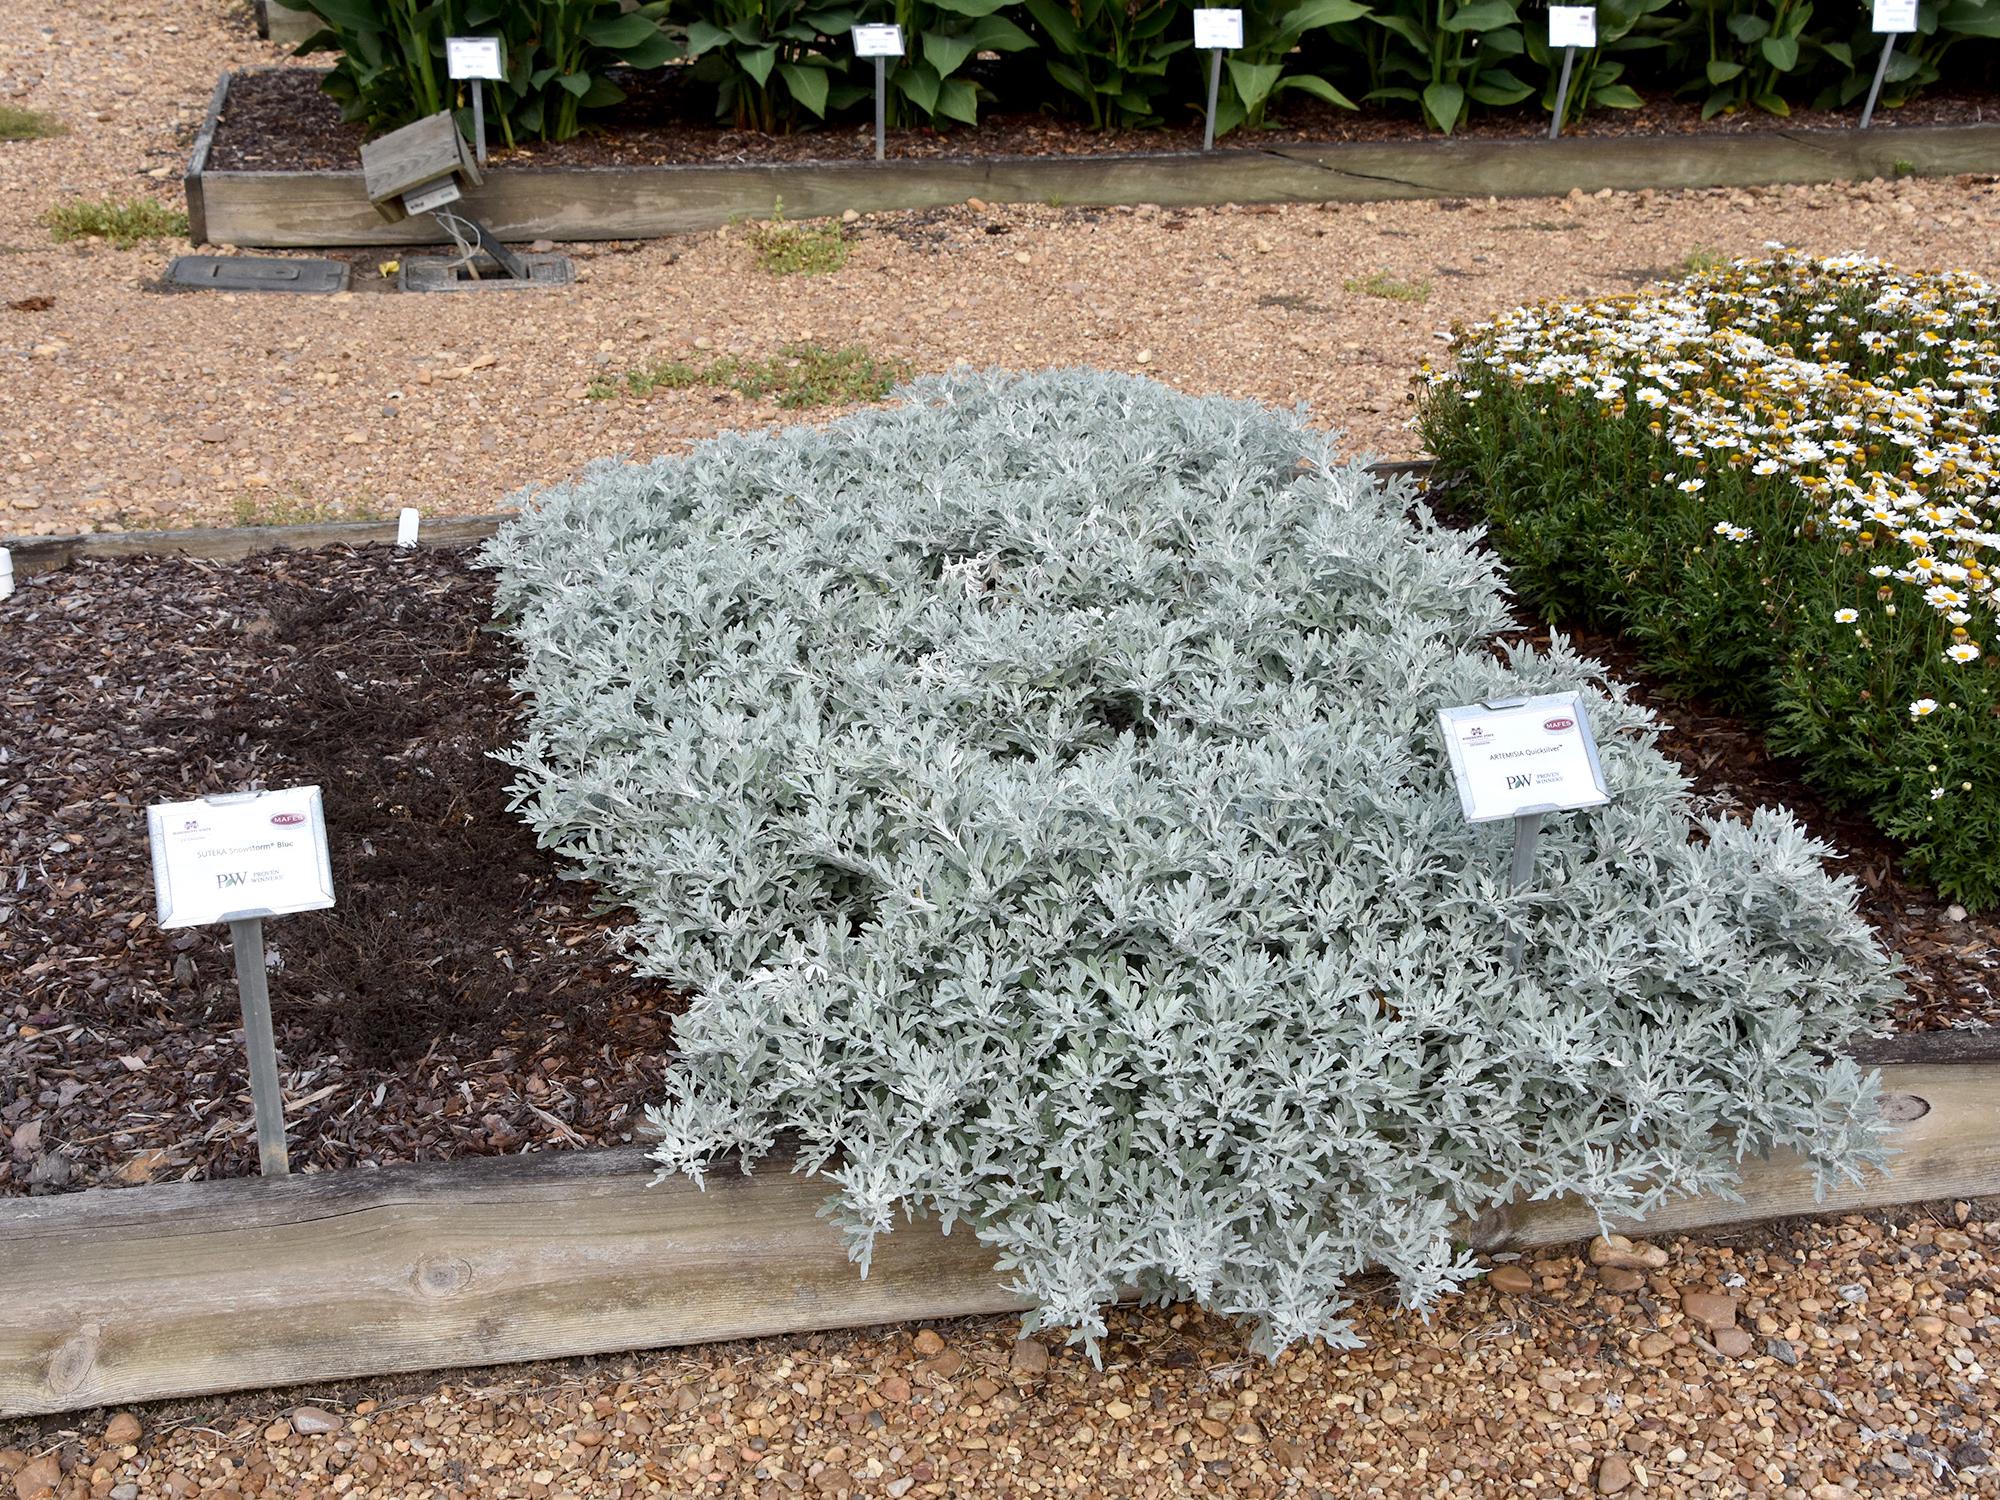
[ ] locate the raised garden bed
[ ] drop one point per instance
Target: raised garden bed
(584, 192)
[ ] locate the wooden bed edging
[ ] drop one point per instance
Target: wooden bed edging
(330, 208)
(43, 554)
(119, 1295)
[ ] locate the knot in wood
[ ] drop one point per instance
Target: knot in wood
(441, 1276)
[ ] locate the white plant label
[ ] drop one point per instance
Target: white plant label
(6, 572)
(246, 854)
(1896, 15)
(474, 57)
(406, 526)
(1572, 26)
(878, 41)
(1524, 755)
(1218, 30)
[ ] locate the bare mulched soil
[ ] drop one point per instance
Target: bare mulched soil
(280, 120)
(463, 998)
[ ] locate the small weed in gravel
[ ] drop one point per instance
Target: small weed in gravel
(1701, 260)
(28, 125)
(296, 510)
(798, 249)
(1391, 288)
(123, 221)
(799, 375)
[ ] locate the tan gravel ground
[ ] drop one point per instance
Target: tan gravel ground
(132, 408)
(1861, 1361)
(1809, 1361)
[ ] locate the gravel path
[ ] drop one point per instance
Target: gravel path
(1808, 1362)
(132, 408)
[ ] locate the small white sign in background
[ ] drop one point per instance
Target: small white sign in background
(1572, 26)
(474, 57)
(1534, 755)
(878, 41)
(238, 855)
(1896, 15)
(1218, 30)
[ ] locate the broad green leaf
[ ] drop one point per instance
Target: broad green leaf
(1481, 15)
(1254, 81)
(1443, 104)
(919, 84)
(576, 83)
(1400, 26)
(1072, 80)
(807, 85)
(757, 62)
(1748, 28)
(1771, 104)
(662, 49)
(971, 7)
(1498, 86)
(1317, 13)
(998, 34)
(958, 100)
(1840, 52)
(1781, 52)
(602, 94)
(945, 53)
(1616, 96)
(1056, 20)
(620, 31)
(355, 15)
(1721, 70)
(1319, 88)
(702, 35)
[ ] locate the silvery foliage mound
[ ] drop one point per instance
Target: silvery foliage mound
(1038, 789)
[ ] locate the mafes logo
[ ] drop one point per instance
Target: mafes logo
(288, 820)
(1557, 726)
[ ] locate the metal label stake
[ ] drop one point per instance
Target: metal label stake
(1570, 27)
(1526, 828)
(253, 987)
(1562, 93)
(1890, 18)
(473, 59)
(1217, 32)
(880, 43)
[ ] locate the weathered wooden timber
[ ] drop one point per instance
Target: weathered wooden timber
(331, 208)
(119, 1295)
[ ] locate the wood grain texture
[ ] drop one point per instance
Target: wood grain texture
(305, 209)
(136, 1294)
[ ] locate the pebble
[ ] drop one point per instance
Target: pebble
(1733, 1342)
(1710, 1309)
(1030, 1357)
(850, 216)
(38, 1477)
(122, 1429)
(1613, 1474)
(311, 1421)
(1619, 1279)
(927, 1342)
(1617, 1251)
(1515, 1281)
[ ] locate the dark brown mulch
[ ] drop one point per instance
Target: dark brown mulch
(461, 999)
(279, 120)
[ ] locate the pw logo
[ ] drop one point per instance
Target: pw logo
(1515, 783)
(226, 880)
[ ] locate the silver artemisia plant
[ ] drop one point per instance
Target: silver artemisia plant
(1035, 786)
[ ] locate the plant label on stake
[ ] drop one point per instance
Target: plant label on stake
(1892, 18)
(1520, 758)
(1570, 27)
(1216, 32)
(476, 58)
(239, 858)
(880, 43)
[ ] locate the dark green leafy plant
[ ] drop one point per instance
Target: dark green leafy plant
(1914, 65)
(928, 86)
(1598, 76)
(1112, 56)
(1454, 54)
(392, 70)
(1272, 61)
(1744, 54)
(768, 60)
